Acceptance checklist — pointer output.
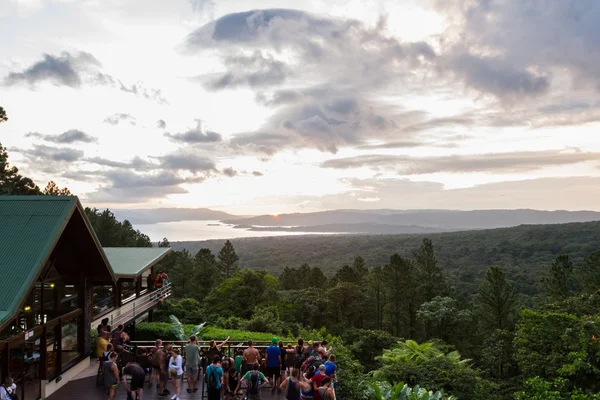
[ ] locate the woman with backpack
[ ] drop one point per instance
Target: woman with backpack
(326, 391)
(254, 381)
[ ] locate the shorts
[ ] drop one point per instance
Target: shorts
(214, 394)
(191, 371)
(273, 371)
(136, 383)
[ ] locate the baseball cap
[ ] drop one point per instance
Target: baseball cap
(274, 340)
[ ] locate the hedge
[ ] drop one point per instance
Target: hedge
(154, 330)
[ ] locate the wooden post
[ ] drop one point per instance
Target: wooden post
(5, 361)
(118, 293)
(58, 338)
(138, 286)
(43, 355)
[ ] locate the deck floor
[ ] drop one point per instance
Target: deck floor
(86, 389)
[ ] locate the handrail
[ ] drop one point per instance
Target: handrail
(140, 305)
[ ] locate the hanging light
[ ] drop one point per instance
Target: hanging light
(52, 286)
(27, 308)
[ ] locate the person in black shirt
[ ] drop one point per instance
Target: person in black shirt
(138, 375)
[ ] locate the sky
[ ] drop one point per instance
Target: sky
(266, 107)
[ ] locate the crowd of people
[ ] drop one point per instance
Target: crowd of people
(302, 371)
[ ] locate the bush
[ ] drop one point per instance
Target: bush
(187, 310)
(365, 345)
(162, 330)
(558, 389)
(401, 391)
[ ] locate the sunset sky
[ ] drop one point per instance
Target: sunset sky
(255, 107)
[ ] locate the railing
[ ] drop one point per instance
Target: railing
(134, 307)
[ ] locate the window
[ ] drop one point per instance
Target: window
(70, 334)
(51, 349)
(103, 297)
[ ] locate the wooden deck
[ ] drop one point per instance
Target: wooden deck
(86, 389)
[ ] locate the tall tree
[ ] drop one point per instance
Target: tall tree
(3, 117)
(206, 273)
(557, 285)
(52, 189)
(497, 299)
(113, 233)
(431, 280)
(11, 182)
(377, 291)
(164, 243)
(589, 273)
(401, 282)
(228, 260)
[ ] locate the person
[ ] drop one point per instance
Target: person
(155, 375)
(176, 371)
(326, 392)
(163, 376)
(330, 367)
(102, 328)
(192, 360)
(239, 359)
(316, 381)
(308, 350)
(251, 356)
(254, 381)
(290, 358)
(159, 280)
(294, 385)
(101, 346)
(214, 349)
(117, 337)
(8, 390)
(274, 363)
(300, 353)
(323, 348)
(106, 353)
(150, 282)
(138, 375)
(214, 379)
(111, 375)
(308, 393)
(232, 383)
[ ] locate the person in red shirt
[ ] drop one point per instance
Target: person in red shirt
(317, 380)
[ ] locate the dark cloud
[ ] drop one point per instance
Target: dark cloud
(257, 173)
(255, 70)
(139, 90)
(64, 70)
(196, 135)
(230, 172)
(115, 119)
(70, 136)
(491, 162)
(42, 153)
(161, 124)
(187, 162)
(136, 163)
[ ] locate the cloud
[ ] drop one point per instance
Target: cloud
(115, 119)
(257, 173)
(195, 135)
(161, 124)
(42, 153)
(139, 90)
(136, 163)
(64, 70)
(187, 162)
(255, 70)
(230, 172)
(489, 162)
(335, 71)
(68, 137)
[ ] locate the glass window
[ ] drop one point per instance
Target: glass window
(31, 362)
(70, 348)
(127, 291)
(69, 299)
(103, 297)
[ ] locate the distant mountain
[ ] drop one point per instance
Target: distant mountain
(156, 215)
(363, 228)
(439, 220)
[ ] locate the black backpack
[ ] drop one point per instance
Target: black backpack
(212, 381)
(253, 386)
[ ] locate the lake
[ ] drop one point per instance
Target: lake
(204, 230)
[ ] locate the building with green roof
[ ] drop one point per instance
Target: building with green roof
(55, 274)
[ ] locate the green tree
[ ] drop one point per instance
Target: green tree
(589, 273)
(3, 116)
(377, 294)
(557, 285)
(228, 260)
(497, 353)
(11, 182)
(497, 299)
(442, 316)
(400, 286)
(164, 243)
(113, 233)
(206, 273)
(52, 189)
(431, 279)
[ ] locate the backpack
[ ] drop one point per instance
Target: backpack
(212, 381)
(156, 359)
(253, 385)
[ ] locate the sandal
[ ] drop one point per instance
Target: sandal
(189, 390)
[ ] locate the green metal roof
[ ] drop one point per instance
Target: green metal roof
(30, 226)
(127, 262)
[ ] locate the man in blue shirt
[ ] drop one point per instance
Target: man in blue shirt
(214, 379)
(274, 362)
(330, 367)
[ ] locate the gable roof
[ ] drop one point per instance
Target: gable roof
(129, 262)
(30, 227)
